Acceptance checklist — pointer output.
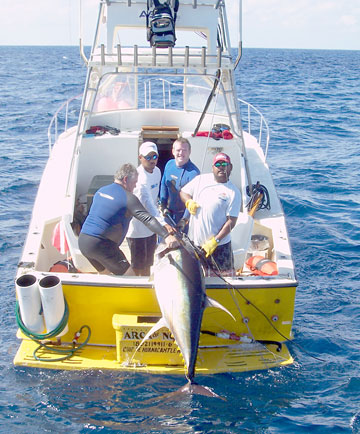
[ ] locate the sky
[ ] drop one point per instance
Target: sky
(309, 24)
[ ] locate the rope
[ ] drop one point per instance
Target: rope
(38, 338)
(254, 192)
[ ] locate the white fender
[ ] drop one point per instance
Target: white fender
(52, 299)
(27, 290)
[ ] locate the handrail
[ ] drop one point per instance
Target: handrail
(254, 122)
(262, 126)
(53, 129)
(166, 86)
(172, 58)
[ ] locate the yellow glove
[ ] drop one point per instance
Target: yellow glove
(192, 206)
(209, 246)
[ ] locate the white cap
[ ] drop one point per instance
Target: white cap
(148, 147)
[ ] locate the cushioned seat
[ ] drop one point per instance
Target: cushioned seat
(79, 260)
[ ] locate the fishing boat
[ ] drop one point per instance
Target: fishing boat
(178, 80)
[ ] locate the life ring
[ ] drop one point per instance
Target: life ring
(261, 266)
(64, 266)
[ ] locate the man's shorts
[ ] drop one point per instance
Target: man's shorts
(223, 256)
(103, 254)
(142, 251)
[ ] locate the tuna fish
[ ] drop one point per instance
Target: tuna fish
(180, 291)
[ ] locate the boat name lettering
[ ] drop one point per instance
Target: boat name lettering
(133, 334)
(153, 349)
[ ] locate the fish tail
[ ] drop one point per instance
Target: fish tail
(196, 389)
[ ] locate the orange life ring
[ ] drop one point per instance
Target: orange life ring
(261, 266)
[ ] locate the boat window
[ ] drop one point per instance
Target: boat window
(161, 93)
(197, 93)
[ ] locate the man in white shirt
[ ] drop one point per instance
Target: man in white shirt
(142, 242)
(214, 204)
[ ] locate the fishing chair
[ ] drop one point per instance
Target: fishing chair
(79, 260)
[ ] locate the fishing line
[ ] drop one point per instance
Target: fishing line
(214, 267)
(218, 274)
(212, 264)
(204, 262)
(217, 271)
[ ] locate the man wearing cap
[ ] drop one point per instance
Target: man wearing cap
(177, 173)
(141, 240)
(214, 204)
(107, 223)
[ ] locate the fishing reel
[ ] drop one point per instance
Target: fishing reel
(161, 25)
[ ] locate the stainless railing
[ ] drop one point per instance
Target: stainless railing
(184, 57)
(60, 121)
(255, 124)
(169, 99)
(252, 119)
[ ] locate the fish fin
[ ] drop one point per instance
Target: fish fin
(162, 249)
(210, 302)
(190, 389)
(197, 389)
(160, 324)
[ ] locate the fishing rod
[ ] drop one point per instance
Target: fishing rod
(212, 93)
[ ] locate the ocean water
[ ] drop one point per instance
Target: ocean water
(311, 100)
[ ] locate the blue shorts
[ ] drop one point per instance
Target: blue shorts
(223, 256)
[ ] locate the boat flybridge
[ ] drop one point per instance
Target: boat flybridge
(177, 80)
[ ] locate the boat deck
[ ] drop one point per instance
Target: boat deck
(215, 360)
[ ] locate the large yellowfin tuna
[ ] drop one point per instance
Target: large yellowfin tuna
(180, 291)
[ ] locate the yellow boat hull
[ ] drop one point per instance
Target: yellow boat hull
(118, 318)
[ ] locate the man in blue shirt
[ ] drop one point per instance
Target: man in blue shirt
(107, 223)
(177, 173)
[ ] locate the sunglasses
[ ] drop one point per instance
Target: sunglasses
(148, 158)
(221, 164)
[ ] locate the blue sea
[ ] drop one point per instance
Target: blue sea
(311, 99)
